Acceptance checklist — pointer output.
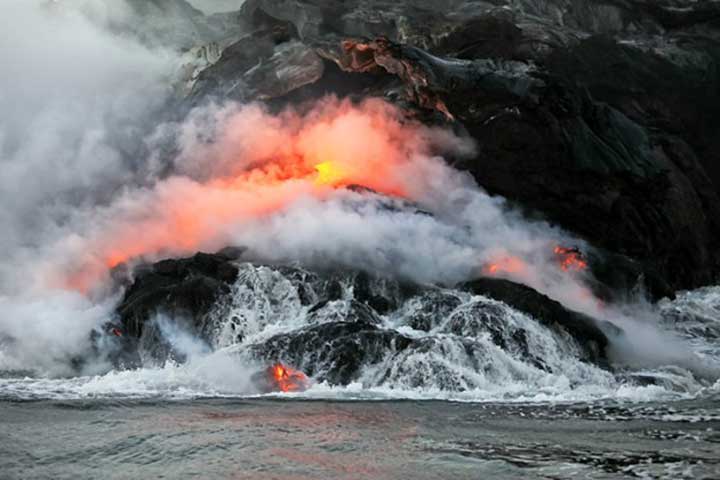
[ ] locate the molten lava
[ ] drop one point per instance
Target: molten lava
(571, 259)
(505, 265)
(329, 173)
(286, 379)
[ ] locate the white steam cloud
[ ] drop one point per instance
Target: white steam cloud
(75, 99)
(217, 6)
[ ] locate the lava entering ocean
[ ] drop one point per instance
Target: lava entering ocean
(281, 378)
(273, 183)
(287, 379)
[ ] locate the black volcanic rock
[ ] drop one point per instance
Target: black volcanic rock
(284, 66)
(173, 23)
(333, 352)
(186, 288)
(182, 291)
(547, 144)
(591, 334)
(602, 117)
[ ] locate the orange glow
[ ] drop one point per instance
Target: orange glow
(505, 265)
(329, 174)
(571, 259)
(288, 380)
(114, 259)
(258, 165)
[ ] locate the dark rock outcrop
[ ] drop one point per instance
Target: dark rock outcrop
(333, 352)
(601, 117)
(174, 24)
(186, 287)
(185, 290)
(549, 145)
(590, 333)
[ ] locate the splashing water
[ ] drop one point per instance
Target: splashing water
(446, 344)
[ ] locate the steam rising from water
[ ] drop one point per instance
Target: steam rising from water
(86, 176)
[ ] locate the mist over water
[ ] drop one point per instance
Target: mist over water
(88, 184)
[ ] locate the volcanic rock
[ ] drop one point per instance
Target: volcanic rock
(332, 352)
(183, 290)
(344, 322)
(602, 117)
(591, 334)
(175, 23)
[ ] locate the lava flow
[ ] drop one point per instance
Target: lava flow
(281, 378)
(289, 380)
(569, 260)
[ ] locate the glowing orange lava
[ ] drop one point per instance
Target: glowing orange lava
(505, 265)
(329, 173)
(288, 380)
(571, 259)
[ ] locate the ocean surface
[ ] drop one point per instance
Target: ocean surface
(274, 438)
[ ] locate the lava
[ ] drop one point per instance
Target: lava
(509, 264)
(329, 174)
(571, 259)
(286, 379)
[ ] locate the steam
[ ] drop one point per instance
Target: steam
(218, 371)
(50, 332)
(181, 341)
(247, 177)
(74, 100)
(217, 6)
